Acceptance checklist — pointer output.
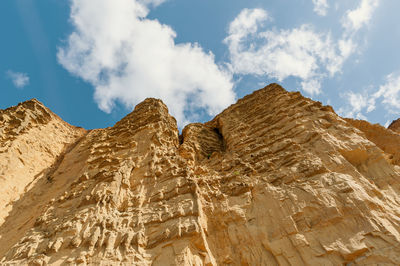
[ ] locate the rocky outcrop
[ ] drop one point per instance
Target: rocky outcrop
(275, 179)
(32, 142)
(395, 126)
(387, 140)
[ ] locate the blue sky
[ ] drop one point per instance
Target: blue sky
(92, 61)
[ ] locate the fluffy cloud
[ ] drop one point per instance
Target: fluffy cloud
(352, 22)
(355, 19)
(388, 94)
(128, 57)
(356, 104)
(19, 80)
(361, 104)
(299, 52)
(320, 7)
(246, 23)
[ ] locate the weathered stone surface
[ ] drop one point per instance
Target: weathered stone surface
(395, 126)
(275, 179)
(387, 140)
(33, 141)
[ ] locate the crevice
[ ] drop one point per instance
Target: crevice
(181, 139)
(221, 138)
(202, 139)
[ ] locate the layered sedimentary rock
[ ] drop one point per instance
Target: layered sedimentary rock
(32, 141)
(395, 126)
(275, 179)
(387, 140)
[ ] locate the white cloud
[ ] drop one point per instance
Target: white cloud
(19, 80)
(312, 86)
(352, 22)
(151, 2)
(128, 57)
(389, 93)
(299, 52)
(246, 23)
(320, 7)
(359, 17)
(346, 47)
(356, 104)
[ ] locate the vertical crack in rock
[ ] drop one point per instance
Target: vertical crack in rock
(275, 179)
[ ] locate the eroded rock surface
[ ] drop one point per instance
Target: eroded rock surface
(395, 126)
(33, 141)
(275, 179)
(387, 140)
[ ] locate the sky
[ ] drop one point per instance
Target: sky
(92, 61)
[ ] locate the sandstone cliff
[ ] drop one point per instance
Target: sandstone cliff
(275, 179)
(395, 126)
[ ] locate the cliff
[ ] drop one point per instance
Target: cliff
(275, 179)
(395, 126)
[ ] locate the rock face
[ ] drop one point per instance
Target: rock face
(387, 140)
(275, 179)
(395, 126)
(33, 141)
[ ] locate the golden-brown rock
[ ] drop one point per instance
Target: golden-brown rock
(33, 141)
(275, 179)
(395, 125)
(387, 140)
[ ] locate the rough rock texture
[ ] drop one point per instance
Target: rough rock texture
(395, 126)
(387, 140)
(32, 141)
(275, 179)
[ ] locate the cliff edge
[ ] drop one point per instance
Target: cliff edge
(275, 179)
